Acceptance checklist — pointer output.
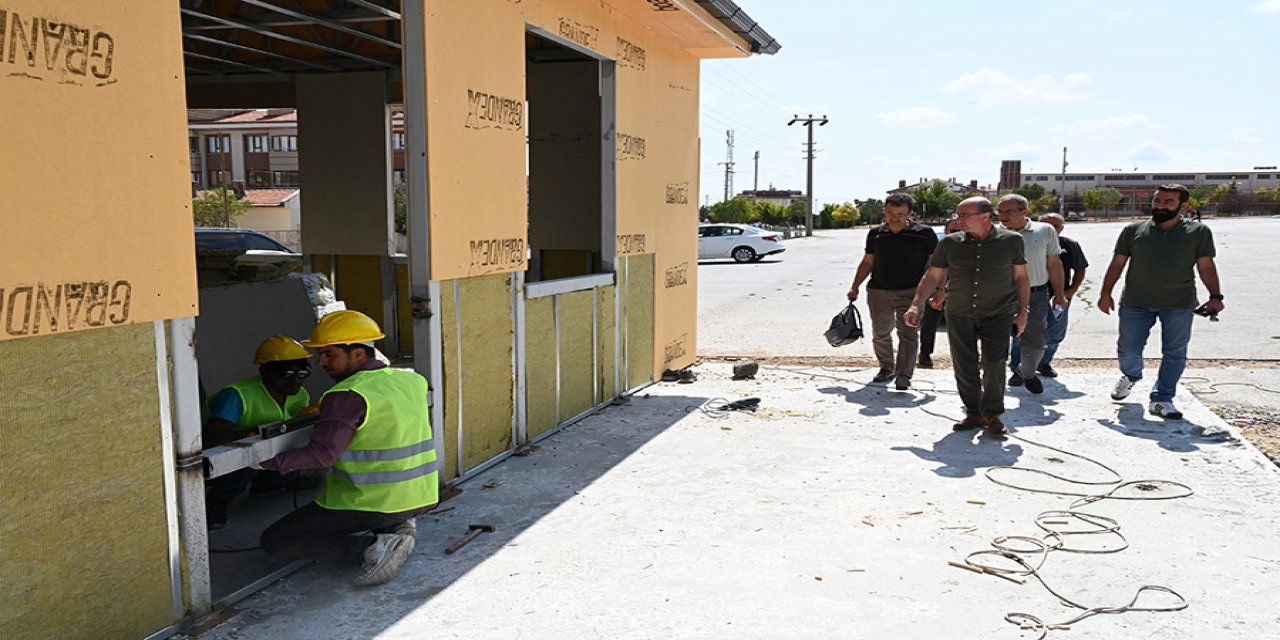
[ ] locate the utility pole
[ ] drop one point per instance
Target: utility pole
(755, 184)
(728, 166)
(1062, 204)
(809, 154)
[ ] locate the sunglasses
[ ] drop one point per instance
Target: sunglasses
(300, 374)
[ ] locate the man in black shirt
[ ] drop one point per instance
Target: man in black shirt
(897, 256)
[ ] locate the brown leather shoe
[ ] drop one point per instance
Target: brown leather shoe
(996, 428)
(971, 421)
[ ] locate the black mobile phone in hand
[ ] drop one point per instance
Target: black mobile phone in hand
(1013, 330)
(1203, 310)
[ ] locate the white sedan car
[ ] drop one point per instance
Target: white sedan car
(743, 243)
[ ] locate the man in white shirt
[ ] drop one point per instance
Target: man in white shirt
(1044, 270)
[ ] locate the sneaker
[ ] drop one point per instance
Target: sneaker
(383, 558)
(883, 376)
(1015, 380)
(996, 428)
(1033, 384)
(1123, 386)
(902, 383)
(925, 362)
(1164, 409)
(971, 421)
(1047, 371)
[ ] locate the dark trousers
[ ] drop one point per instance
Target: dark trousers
(979, 351)
(332, 536)
(929, 318)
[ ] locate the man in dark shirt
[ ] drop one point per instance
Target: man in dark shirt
(987, 291)
(897, 256)
(1074, 265)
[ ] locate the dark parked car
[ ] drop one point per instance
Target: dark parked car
(240, 240)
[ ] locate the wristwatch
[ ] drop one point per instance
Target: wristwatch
(1216, 296)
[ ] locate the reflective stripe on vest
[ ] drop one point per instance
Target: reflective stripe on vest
(383, 477)
(390, 465)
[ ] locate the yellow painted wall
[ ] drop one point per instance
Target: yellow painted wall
(476, 119)
(92, 92)
(83, 537)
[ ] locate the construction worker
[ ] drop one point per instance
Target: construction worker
(275, 394)
(374, 437)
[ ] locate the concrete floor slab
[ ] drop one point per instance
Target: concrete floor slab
(832, 511)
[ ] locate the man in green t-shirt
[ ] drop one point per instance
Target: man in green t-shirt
(1161, 253)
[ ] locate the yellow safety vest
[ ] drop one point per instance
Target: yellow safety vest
(390, 465)
(260, 408)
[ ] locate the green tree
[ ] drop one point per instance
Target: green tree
(1031, 192)
(796, 213)
(218, 208)
(400, 202)
(770, 212)
(1102, 198)
(871, 211)
(824, 216)
(1044, 204)
(934, 201)
(737, 211)
(1201, 195)
(844, 215)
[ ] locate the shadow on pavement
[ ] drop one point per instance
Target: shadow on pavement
(1180, 436)
(512, 496)
(961, 453)
(878, 399)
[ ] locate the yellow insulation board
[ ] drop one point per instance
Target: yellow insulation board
(540, 366)
(606, 319)
(487, 375)
(452, 392)
(83, 536)
(577, 375)
(639, 309)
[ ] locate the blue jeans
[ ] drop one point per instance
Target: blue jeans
(1175, 334)
(1057, 330)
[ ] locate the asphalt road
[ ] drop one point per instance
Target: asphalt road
(778, 308)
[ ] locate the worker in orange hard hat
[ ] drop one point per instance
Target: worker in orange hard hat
(275, 394)
(374, 438)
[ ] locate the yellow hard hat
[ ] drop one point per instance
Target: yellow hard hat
(344, 327)
(277, 348)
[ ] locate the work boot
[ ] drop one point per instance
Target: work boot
(996, 428)
(883, 376)
(925, 362)
(971, 421)
(1015, 380)
(1047, 371)
(408, 528)
(1033, 384)
(384, 557)
(902, 383)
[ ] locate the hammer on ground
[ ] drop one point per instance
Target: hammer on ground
(472, 531)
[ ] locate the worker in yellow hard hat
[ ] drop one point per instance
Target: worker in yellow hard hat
(374, 437)
(275, 394)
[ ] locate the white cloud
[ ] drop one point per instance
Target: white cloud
(1150, 152)
(1127, 121)
(916, 116)
(1014, 151)
(1117, 15)
(1269, 6)
(996, 87)
(1246, 135)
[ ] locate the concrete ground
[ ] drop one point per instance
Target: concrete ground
(833, 510)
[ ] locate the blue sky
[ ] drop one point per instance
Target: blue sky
(943, 89)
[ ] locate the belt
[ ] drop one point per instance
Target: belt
(1042, 287)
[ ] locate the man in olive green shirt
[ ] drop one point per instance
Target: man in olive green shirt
(987, 294)
(1161, 253)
